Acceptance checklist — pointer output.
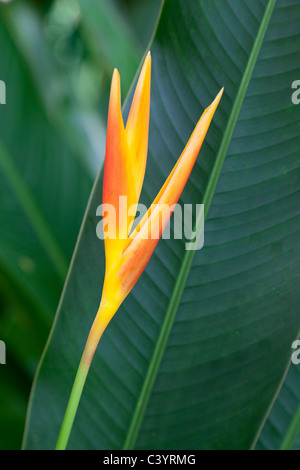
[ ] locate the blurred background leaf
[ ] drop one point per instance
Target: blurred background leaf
(56, 60)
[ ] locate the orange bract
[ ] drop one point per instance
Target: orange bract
(125, 162)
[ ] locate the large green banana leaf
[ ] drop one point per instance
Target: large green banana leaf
(195, 356)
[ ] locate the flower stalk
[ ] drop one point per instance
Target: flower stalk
(94, 337)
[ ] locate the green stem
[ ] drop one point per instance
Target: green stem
(292, 433)
(101, 321)
(72, 407)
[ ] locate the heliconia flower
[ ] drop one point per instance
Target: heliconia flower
(125, 163)
(128, 253)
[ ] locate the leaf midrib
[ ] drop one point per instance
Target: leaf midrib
(159, 349)
(290, 437)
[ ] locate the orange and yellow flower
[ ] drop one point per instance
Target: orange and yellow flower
(125, 164)
(127, 253)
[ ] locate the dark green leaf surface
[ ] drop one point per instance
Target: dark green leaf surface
(195, 356)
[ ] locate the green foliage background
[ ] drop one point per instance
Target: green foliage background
(57, 59)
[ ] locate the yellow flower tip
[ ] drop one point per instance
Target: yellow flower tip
(115, 120)
(195, 142)
(137, 131)
(213, 106)
(115, 82)
(217, 98)
(138, 119)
